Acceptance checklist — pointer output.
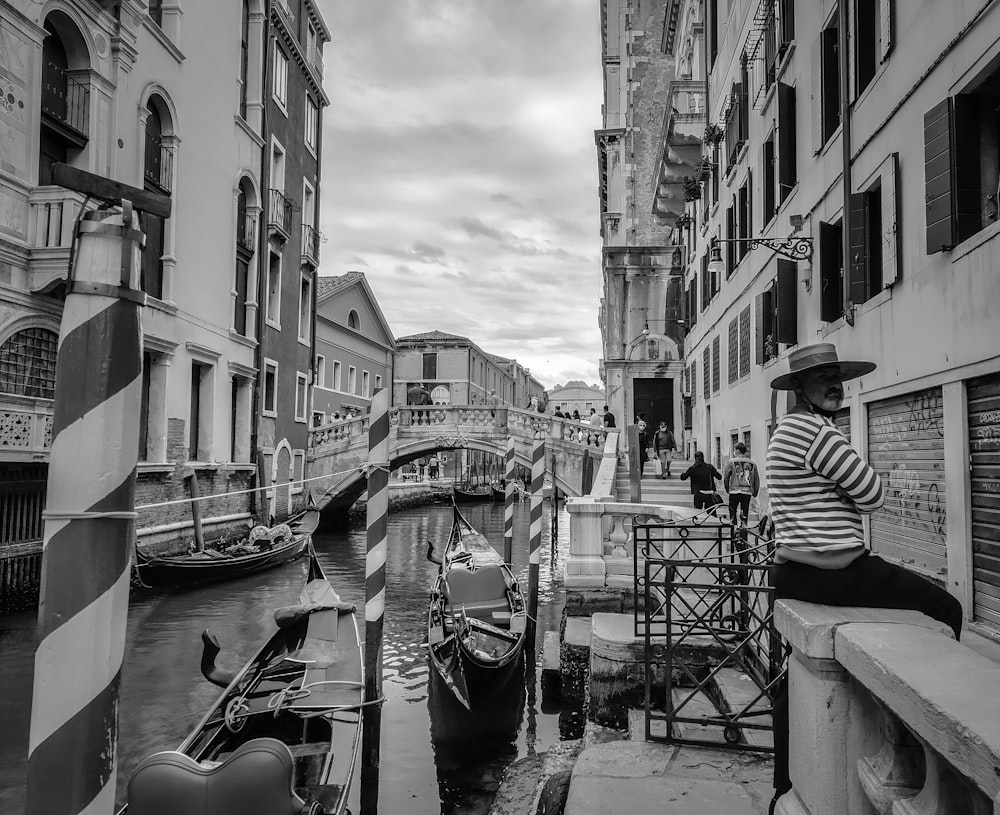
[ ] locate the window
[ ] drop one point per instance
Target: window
(353, 321)
(962, 163)
(716, 354)
(234, 415)
(694, 382)
(378, 381)
(270, 388)
(874, 235)
(831, 271)
(155, 8)
(430, 366)
(352, 380)
(767, 179)
(738, 121)
(745, 342)
(199, 424)
(321, 370)
(318, 418)
(244, 252)
(147, 367)
(312, 124)
(301, 396)
(157, 177)
(244, 56)
(731, 247)
(706, 372)
(305, 308)
(777, 313)
(366, 385)
(745, 216)
(713, 32)
(336, 380)
(734, 350)
(872, 39)
(787, 167)
(280, 90)
(28, 363)
(273, 309)
(826, 85)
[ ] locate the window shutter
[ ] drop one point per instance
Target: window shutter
(858, 262)
(734, 350)
(745, 341)
(758, 304)
(749, 208)
(716, 362)
(816, 88)
(886, 21)
(938, 172)
(786, 140)
(787, 11)
(706, 373)
(786, 306)
(890, 225)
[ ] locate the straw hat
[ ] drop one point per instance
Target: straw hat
(822, 354)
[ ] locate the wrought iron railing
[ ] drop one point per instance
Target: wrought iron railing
(310, 243)
(159, 164)
(705, 610)
(280, 212)
(246, 231)
(65, 98)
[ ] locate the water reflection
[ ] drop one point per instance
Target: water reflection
(424, 770)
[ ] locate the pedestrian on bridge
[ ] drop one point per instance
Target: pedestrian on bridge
(702, 475)
(664, 445)
(609, 417)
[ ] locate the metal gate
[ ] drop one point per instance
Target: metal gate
(984, 456)
(906, 448)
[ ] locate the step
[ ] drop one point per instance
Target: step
(694, 706)
(738, 691)
(551, 672)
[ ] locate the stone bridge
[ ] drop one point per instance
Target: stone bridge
(339, 450)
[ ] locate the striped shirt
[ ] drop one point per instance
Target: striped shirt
(818, 486)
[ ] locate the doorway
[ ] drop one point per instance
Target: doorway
(654, 399)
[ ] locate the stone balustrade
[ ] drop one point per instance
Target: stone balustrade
(25, 427)
(888, 715)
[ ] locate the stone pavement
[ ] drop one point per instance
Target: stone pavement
(646, 778)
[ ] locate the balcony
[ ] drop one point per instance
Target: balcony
(310, 245)
(25, 427)
(52, 213)
(246, 232)
(279, 215)
(680, 147)
(159, 169)
(65, 104)
(315, 57)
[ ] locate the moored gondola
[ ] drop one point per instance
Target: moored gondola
(466, 496)
(476, 617)
(285, 729)
(264, 549)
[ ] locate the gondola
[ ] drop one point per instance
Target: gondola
(464, 496)
(476, 618)
(265, 550)
(296, 706)
(499, 494)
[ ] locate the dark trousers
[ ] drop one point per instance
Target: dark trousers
(870, 582)
(704, 500)
(741, 500)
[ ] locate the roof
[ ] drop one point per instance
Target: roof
(434, 336)
(328, 285)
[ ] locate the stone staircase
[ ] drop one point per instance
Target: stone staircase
(655, 490)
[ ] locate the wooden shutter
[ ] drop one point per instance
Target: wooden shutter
(938, 176)
(787, 175)
(906, 448)
(745, 341)
(858, 265)
(886, 23)
(734, 350)
(731, 245)
(890, 224)
(759, 337)
(831, 298)
(984, 460)
(706, 372)
(816, 89)
(786, 305)
(716, 362)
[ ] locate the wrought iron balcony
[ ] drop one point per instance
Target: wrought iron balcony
(310, 244)
(159, 167)
(279, 218)
(246, 232)
(66, 101)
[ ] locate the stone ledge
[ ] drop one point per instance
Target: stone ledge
(810, 627)
(942, 690)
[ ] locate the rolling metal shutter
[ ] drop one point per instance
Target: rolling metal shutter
(984, 458)
(906, 448)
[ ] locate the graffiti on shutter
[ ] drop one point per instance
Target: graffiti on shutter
(984, 458)
(906, 448)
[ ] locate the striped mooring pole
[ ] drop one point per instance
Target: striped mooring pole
(535, 530)
(89, 525)
(377, 525)
(508, 503)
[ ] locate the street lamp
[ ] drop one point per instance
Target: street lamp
(795, 247)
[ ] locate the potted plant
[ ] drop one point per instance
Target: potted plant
(692, 188)
(713, 133)
(683, 221)
(703, 168)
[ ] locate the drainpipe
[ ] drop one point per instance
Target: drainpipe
(845, 141)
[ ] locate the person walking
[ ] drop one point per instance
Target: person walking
(742, 482)
(818, 489)
(664, 444)
(702, 475)
(596, 419)
(609, 417)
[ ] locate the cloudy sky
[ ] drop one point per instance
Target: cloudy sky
(459, 171)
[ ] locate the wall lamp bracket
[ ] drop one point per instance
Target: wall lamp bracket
(794, 247)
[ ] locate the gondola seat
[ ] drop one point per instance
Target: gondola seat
(480, 592)
(256, 779)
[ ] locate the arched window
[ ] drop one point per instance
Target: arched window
(65, 95)
(157, 176)
(352, 320)
(244, 253)
(28, 363)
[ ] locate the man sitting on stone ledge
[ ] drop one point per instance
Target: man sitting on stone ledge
(818, 488)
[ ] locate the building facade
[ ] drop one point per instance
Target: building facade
(293, 107)
(897, 265)
(641, 196)
(354, 348)
(578, 396)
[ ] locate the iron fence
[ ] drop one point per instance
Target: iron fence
(705, 610)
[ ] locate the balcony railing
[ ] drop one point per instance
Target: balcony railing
(65, 98)
(280, 213)
(159, 164)
(315, 57)
(310, 244)
(246, 232)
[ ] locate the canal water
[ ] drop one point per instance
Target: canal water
(435, 758)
